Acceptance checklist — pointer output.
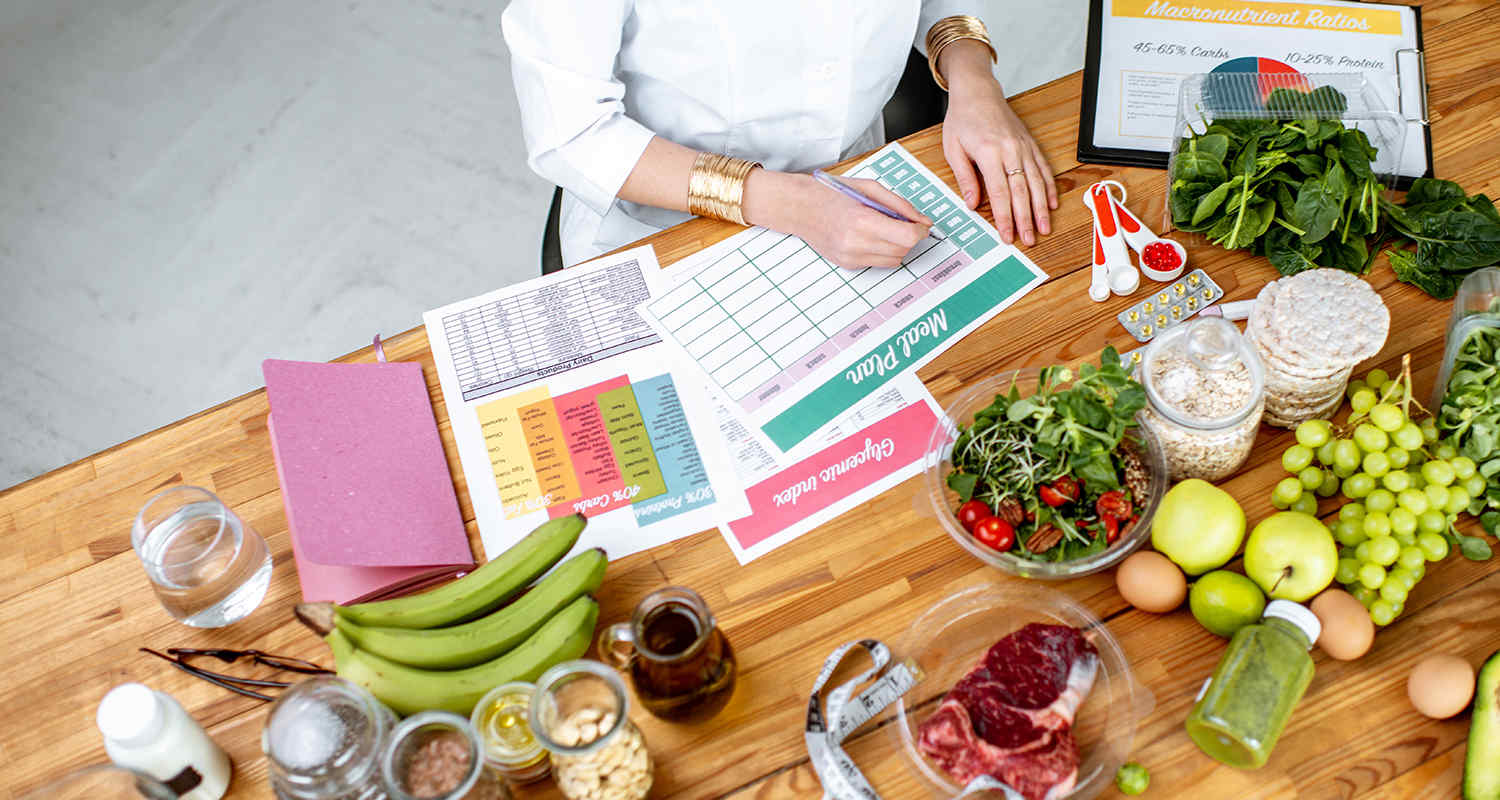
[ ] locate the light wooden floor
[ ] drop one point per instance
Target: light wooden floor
(190, 186)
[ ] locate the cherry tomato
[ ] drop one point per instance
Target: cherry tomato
(972, 512)
(995, 533)
(1051, 496)
(1114, 504)
(1111, 528)
(1067, 486)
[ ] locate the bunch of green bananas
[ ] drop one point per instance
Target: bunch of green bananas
(445, 648)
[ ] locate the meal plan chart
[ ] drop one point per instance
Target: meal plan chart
(794, 341)
(560, 404)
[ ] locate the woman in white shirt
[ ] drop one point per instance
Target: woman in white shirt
(643, 110)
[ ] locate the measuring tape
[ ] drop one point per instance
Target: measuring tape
(827, 728)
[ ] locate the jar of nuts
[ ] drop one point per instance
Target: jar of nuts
(1205, 392)
(579, 712)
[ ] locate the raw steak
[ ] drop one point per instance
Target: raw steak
(1012, 715)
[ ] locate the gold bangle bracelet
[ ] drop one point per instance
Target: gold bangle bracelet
(716, 187)
(948, 30)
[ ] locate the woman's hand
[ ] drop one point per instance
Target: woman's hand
(981, 134)
(843, 232)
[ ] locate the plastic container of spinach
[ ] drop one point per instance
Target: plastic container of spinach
(1234, 104)
(1476, 308)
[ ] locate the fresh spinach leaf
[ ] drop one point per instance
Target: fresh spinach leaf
(1462, 240)
(1356, 154)
(963, 483)
(1210, 202)
(1437, 283)
(1289, 254)
(1196, 165)
(1316, 210)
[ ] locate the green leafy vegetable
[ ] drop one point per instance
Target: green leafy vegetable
(1249, 183)
(1073, 425)
(1469, 419)
(1454, 234)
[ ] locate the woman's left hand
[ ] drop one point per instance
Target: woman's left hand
(984, 141)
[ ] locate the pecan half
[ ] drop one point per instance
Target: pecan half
(1011, 511)
(1045, 538)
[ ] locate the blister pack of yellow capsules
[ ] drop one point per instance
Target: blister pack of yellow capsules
(1170, 305)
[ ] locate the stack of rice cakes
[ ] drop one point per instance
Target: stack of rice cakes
(1310, 330)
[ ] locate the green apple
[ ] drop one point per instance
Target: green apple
(1198, 525)
(1291, 555)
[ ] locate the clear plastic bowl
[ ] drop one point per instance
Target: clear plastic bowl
(1476, 305)
(942, 502)
(1205, 97)
(952, 636)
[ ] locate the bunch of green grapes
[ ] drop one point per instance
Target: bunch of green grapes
(1406, 490)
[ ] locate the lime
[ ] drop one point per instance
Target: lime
(1224, 601)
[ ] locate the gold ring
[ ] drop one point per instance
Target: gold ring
(1016, 171)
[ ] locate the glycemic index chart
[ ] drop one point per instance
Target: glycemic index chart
(768, 319)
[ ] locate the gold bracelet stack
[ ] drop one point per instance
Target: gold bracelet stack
(948, 30)
(716, 187)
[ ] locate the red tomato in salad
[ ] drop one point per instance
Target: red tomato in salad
(972, 512)
(995, 533)
(1063, 490)
(1114, 504)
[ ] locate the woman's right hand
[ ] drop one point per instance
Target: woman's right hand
(844, 232)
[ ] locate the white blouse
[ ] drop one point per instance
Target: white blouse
(794, 84)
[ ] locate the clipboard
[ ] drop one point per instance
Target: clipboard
(1224, 46)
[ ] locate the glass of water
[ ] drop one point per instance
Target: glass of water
(208, 567)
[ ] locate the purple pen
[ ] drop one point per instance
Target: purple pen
(846, 190)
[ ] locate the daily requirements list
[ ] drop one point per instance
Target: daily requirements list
(793, 341)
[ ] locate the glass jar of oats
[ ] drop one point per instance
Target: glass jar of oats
(1205, 392)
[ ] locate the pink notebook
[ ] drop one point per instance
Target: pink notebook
(369, 500)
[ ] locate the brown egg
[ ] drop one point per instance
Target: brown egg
(1440, 686)
(1347, 629)
(1150, 582)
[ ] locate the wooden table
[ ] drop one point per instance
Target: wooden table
(75, 605)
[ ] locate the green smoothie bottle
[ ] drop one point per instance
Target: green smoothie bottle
(1242, 709)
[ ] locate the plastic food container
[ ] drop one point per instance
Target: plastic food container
(942, 502)
(1205, 392)
(949, 638)
(1475, 306)
(1205, 97)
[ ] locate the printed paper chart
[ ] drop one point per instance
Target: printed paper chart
(775, 326)
(767, 312)
(595, 449)
(578, 318)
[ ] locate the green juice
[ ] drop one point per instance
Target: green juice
(1248, 701)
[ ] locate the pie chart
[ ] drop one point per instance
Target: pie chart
(1273, 74)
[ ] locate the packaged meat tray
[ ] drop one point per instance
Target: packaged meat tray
(1024, 684)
